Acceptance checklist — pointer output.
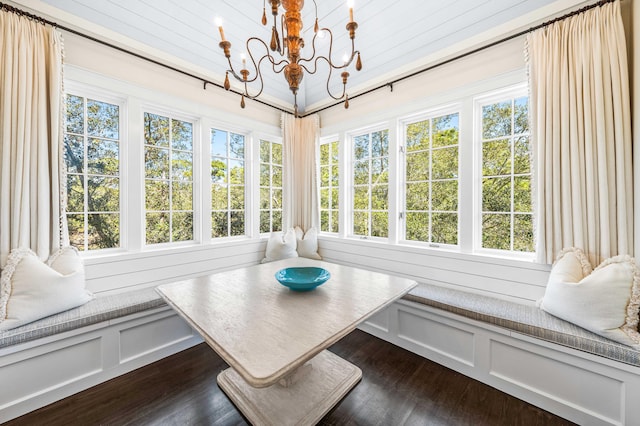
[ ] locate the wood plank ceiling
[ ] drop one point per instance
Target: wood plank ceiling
(391, 35)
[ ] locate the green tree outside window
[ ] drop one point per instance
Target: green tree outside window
(92, 157)
(371, 184)
(431, 176)
(270, 186)
(507, 219)
(329, 186)
(227, 184)
(168, 164)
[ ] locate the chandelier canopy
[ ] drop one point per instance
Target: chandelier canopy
(284, 52)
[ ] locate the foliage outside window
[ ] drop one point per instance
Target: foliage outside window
(227, 184)
(506, 176)
(329, 186)
(370, 184)
(270, 186)
(92, 156)
(168, 161)
(431, 173)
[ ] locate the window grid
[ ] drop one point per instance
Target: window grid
(227, 184)
(329, 186)
(92, 132)
(513, 232)
(370, 184)
(270, 186)
(439, 212)
(168, 179)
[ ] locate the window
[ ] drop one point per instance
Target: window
(92, 156)
(431, 180)
(227, 184)
(168, 158)
(370, 184)
(506, 176)
(329, 186)
(270, 186)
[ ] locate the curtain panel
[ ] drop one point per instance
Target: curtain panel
(300, 195)
(581, 133)
(32, 182)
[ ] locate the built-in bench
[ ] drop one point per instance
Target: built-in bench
(57, 356)
(519, 349)
(514, 347)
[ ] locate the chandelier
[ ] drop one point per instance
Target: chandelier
(284, 53)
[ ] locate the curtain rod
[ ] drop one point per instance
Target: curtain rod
(390, 84)
(20, 12)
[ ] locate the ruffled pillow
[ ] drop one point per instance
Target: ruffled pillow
(605, 301)
(307, 243)
(31, 289)
(281, 246)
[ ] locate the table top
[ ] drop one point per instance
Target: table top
(264, 330)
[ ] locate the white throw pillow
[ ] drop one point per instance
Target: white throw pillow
(605, 301)
(281, 246)
(307, 243)
(31, 289)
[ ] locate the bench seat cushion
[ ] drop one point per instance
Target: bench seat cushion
(524, 319)
(102, 308)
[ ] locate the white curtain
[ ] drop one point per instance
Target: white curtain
(581, 133)
(31, 160)
(300, 194)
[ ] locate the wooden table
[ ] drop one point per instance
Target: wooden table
(274, 339)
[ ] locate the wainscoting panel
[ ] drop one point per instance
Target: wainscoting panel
(380, 320)
(565, 383)
(150, 336)
(30, 373)
(447, 340)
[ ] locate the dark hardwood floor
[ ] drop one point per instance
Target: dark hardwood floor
(397, 388)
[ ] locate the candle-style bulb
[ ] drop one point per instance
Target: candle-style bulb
(350, 6)
(218, 22)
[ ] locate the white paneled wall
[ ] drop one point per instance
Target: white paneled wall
(520, 281)
(122, 272)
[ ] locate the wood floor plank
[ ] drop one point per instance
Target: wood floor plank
(397, 388)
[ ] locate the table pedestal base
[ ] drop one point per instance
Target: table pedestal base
(304, 402)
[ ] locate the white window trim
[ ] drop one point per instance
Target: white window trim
(323, 141)
(348, 178)
(196, 188)
(250, 170)
(255, 164)
(91, 92)
(455, 108)
(509, 92)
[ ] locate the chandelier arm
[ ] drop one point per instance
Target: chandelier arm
(315, 69)
(344, 87)
(267, 55)
(274, 64)
(328, 58)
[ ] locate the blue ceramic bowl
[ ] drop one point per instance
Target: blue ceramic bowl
(302, 278)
